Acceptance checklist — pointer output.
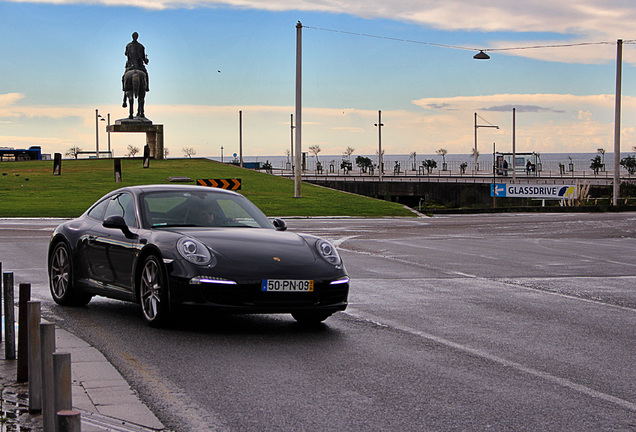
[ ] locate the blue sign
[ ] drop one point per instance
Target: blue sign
(532, 191)
(498, 190)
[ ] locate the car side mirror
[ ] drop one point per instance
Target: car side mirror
(118, 222)
(279, 224)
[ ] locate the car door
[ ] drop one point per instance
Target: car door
(109, 253)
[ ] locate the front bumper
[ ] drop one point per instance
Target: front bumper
(247, 297)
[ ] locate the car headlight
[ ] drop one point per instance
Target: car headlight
(328, 252)
(195, 252)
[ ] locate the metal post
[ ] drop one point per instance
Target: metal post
(9, 316)
(23, 334)
(0, 300)
(108, 129)
(68, 421)
(35, 363)
(617, 122)
(97, 134)
(62, 381)
(380, 163)
(292, 143)
(299, 55)
(475, 148)
(47, 348)
(514, 144)
(494, 176)
(241, 138)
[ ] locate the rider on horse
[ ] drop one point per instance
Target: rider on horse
(137, 59)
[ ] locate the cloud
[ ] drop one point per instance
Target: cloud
(521, 109)
(581, 17)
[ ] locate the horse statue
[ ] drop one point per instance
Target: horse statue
(135, 85)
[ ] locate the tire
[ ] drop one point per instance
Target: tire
(61, 278)
(153, 292)
(311, 318)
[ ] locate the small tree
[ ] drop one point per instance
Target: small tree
(629, 163)
(315, 149)
(442, 152)
(348, 152)
(475, 154)
(596, 164)
(132, 150)
(73, 151)
(602, 152)
(165, 152)
(188, 151)
(429, 164)
(364, 163)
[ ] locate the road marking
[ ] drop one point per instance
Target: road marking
(563, 382)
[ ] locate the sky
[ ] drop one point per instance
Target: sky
(60, 60)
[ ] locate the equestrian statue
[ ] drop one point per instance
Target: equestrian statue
(135, 79)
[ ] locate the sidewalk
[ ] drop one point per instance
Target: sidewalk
(104, 399)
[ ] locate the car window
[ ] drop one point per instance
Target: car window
(122, 205)
(235, 214)
(98, 210)
(201, 209)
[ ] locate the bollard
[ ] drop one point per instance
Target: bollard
(9, 317)
(0, 302)
(35, 365)
(47, 344)
(68, 421)
(23, 334)
(62, 381)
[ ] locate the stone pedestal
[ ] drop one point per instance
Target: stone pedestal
(154, 134)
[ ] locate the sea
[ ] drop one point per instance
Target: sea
(549, 161)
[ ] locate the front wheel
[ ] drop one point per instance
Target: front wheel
(61, 278)
(153, 292)
(311, 318)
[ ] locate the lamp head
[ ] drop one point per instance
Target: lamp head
(481, 55)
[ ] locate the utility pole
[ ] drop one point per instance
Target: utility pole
(617, 122)
(299, 55)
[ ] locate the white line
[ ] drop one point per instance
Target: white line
(496, 359)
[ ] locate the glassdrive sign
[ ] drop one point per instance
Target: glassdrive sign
(505, 190)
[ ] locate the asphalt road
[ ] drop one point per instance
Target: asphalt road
(460, 323)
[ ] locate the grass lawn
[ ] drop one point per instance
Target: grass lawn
(29, 189)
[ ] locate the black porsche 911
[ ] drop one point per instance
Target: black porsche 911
(168, 246)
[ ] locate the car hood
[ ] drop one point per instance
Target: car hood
(256, 245)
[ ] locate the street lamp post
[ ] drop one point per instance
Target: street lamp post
(379, 125)
(476, 127)
(97, 118)
(108, 129)
(240, 139)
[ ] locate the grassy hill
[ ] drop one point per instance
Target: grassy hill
(29, 189)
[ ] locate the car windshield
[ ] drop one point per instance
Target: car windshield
(200, 209)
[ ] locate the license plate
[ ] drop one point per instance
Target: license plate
(287, 285)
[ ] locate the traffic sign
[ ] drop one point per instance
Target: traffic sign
(506, 190)
(231, 184)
